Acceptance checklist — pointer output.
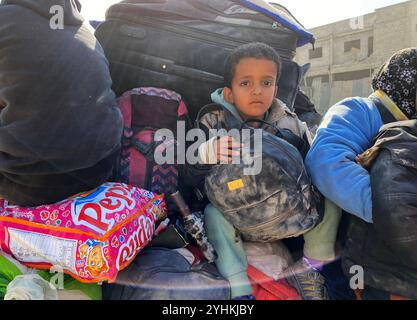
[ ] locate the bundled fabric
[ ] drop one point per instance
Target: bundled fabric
(270, 258)
(194, 39)
(60, 127)
(91, 236)
(165, 274)
(266, 288)
(387, 248)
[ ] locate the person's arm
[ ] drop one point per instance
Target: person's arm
(347, 130)
(212, 151)
(195, 174)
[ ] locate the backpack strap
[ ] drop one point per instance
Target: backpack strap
(301, 144)
(207, 109)
(386, 115)
(125, 106)
(146, 149)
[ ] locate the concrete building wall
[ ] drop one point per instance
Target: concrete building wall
(353, 49)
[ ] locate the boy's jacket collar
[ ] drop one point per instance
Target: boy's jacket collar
(275, 113)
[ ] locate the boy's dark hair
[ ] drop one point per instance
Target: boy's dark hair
(257, 50)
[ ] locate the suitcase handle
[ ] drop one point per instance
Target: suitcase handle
(170, 67)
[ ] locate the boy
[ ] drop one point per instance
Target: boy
(251, 77)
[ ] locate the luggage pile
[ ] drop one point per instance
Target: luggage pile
(166, 57)
(181, 46)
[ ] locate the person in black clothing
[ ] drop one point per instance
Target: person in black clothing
(60, 127)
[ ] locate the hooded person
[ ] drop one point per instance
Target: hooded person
(397, 78)
(60, 127)
(349, 129)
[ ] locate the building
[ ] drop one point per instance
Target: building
(348, 52)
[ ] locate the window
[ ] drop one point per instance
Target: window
(352, 45)
(315, 53)
(323, 79)
(352, 75)
(370, 46)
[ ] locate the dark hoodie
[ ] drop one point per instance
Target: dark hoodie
(60, 127)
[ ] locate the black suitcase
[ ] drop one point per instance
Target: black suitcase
(182, 45)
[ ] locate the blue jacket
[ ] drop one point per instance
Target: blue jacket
(348, 129)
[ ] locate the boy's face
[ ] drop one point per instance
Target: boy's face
(254, 87)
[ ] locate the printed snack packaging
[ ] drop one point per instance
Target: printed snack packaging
(91, 236)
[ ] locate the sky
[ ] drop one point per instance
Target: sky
(311, 13)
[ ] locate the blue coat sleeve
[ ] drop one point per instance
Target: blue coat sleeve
(347, 130)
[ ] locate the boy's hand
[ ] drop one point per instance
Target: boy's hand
(227, 148)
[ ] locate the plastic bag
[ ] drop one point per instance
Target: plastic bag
(30, 287)
(91, 236)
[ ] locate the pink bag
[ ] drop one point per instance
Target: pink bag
(145, 110)
(91, 236)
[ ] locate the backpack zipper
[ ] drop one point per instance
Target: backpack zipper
(200, 35)
(266, 224)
